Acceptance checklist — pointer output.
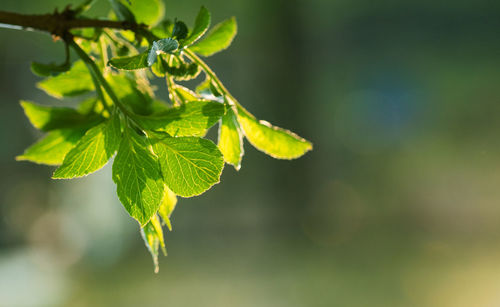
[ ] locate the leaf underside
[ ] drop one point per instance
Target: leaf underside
(138, 178)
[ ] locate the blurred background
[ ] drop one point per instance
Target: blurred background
(397, 205)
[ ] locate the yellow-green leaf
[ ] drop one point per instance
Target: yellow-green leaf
(231, 139)
(138, 178)
(190, 119)
(93, 150)
(133, 62)
(74, 82)
(189, 165)
(50, 118)
(274, 141)
(201, 25)
(167, 207)
(149, 12)
(152, 233)
(52, 149)
(218, 38)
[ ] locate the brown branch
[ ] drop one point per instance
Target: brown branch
(60, 23)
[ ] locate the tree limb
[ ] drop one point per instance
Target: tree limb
(59, 24)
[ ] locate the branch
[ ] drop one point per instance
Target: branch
(60, 23)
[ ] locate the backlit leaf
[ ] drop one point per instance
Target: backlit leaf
(130, 94)
(185, 94)
(149, 12)
(165, 45)
(52, 69)
(190, 119)
(72, 83)
(201, 25)
(152, 234)
(93, 150)
(167, 207)
(189, 165)
(274, 141)
(49, 118)
(122, 12)
(231, 139)
(138, 178)
(52, 148)
(133, 62)
(218, 38)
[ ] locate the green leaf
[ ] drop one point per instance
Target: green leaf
(167, 207)
(158, 68)
(47, 70)
(72, 83)
(83, 7)
(138, 178)
(164, 29)
(231, 139)
(274, 141)
(207, 88)
(184, 71)
(52, 149)
(219, 38)
(50, 118)
(93, 150)
(153, 238)
(191, 119)
(149, 12)
(133, 62)
(122, 12)
(165, 45)
(129, 93)
(189, 165)
(185, 94)
(180, 30)
(201, 25)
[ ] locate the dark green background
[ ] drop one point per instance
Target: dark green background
(397, 205)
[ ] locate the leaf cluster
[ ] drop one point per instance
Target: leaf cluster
(159, 147)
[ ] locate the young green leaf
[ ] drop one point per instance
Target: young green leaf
(72, 83)
(129, 93)
(183, 72)
(189, 165)
(122, 12)
(180, 30)
(231, 139)
(163, 29)
(207, 88)
(167, 207)
(165, 45)
(52, 149)
(191, 119)
(47, 70)
(93, 150)
(158, 68)
(83, 7)
(201, 25)
(153, 238)
(274, 141)
(185, 94)
(218, 38)
(149, 12)
(50, 118)
(138, 178)
(133, 62)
